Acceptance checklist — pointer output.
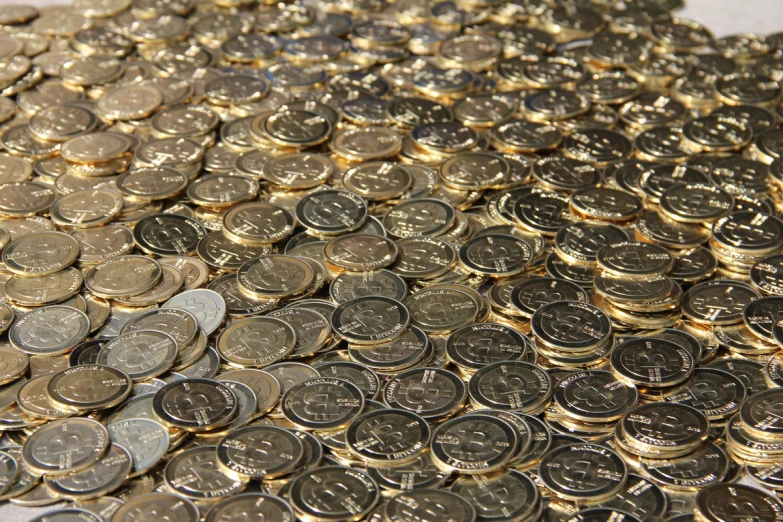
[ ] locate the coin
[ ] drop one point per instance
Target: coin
(88, 387)
(256, 342)
(432, 503)
(107, 475)
(50, 330)
(123, 276)
(343, 400)
(211, 483)
(82, 441)
(40, 253)
(608, 473)
(370, 319)
(145, 439)
(359, 494)
(275, 276)
(157, 504)
(142, 354)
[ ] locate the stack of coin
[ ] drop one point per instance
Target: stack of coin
(389, 261)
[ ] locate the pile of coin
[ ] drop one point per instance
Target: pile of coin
(393, 261)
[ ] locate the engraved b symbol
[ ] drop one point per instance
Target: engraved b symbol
(577, 473)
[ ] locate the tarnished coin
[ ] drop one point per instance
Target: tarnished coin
(195, 404)
(370, 319)
(607, 472)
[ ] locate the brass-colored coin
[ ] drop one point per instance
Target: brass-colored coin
(86, 442)
(256, 342)
(40, 253)
(275, 276)
(258, 223)
(123, 276)
(86, 208)
(360, 252)
(343, 400)
(151, 183)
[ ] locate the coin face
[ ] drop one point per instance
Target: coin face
(275, 276)
(84, 441)
(429, 505)
(268, 506)
(256, 342)
(453, 444)
(103, 387)
(631, 361)
(142, 354)
(168, 235)
(334, 493)
(496, 255)
(181, 325)
(50, 330)
(195, 404)
(652, 427)
(240, 454)
(146, 440)
(608, 473)
(106, 474)
(40, 253)
(370, 319)
(322, 403)
(123, 276)
(331, 212)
